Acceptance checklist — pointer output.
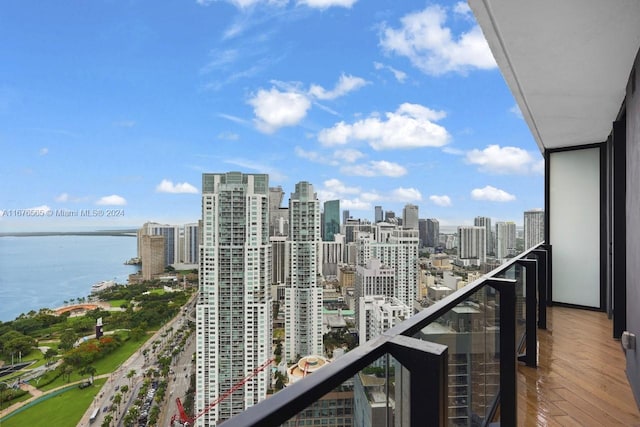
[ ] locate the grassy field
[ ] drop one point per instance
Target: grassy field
(63, 410)
(117, 302)
(5, 405)
(103, 366)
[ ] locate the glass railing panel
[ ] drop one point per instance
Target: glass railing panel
(366, 399)
(471, 331)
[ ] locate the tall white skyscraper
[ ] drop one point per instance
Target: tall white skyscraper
(505, 239)
(483, 221)
(533, 228)
(303, 293)
(233, 313)
(472, 244)
(396, 248)
(410, 216)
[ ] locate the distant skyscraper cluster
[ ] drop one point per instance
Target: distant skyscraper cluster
(162, 245)
(254, 249)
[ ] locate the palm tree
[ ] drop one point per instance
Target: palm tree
(50, 354)
(117, 399)
(134, 412)
(130, 375)
(107, 420)
(89, 370)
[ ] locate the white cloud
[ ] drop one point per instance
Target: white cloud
(167, 186)
(349, 155)
(516, 111)
(492, 194)
(220, 59)
(336, 186)
(63, 197)
(431, 46)
(312, 156)
(324, 4)
(462, 8)
(502, 160)
(406, 195)
(443, 201)
(234, 119)
(345, 84)
(538, 167)
(274, 174)
(400, 76)
(113, 200)
(355, 204)
(43, 151)
(241, 4)
(410, 126)
(275, 109)
(375, 168)
(316, 4)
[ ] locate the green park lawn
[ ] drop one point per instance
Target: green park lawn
(65, 409)
(5, 405)
(117, 302)
(105, 365)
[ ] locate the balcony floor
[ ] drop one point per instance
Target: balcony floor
(580, 380)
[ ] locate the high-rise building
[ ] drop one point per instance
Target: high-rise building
(379, 215)
(483, 221)
(331, 220)
(388, 215)
(377, 313)
(303, 293)
(152, 255)
(410, 216)
(345, 216)
(472, 244)
(422, 232)
(433, 233)
(533, 228)
(397, 249)
(171, 234)
(233, 313)
(374, 278)
(505, 239)
(191, 251)
(278, 215)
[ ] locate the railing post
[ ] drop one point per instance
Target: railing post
(508, 382)
(427, 363)
(541, 256)
(531, 352)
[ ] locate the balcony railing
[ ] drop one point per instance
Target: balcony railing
(451, 364)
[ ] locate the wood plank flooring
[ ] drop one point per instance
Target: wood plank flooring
(580, 379)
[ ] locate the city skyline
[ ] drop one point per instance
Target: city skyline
(115, 106)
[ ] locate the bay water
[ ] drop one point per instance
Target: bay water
(44, 271)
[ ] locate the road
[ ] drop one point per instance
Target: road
(139, 364)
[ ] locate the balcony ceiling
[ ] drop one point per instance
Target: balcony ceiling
(567, 62)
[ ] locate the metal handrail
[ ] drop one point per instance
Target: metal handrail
(288, 402)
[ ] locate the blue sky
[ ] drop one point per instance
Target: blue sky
(124, 104)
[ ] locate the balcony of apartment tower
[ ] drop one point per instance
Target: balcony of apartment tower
(548, 338)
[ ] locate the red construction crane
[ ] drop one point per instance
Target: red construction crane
(186, 420)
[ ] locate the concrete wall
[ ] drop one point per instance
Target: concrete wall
(633, 227)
